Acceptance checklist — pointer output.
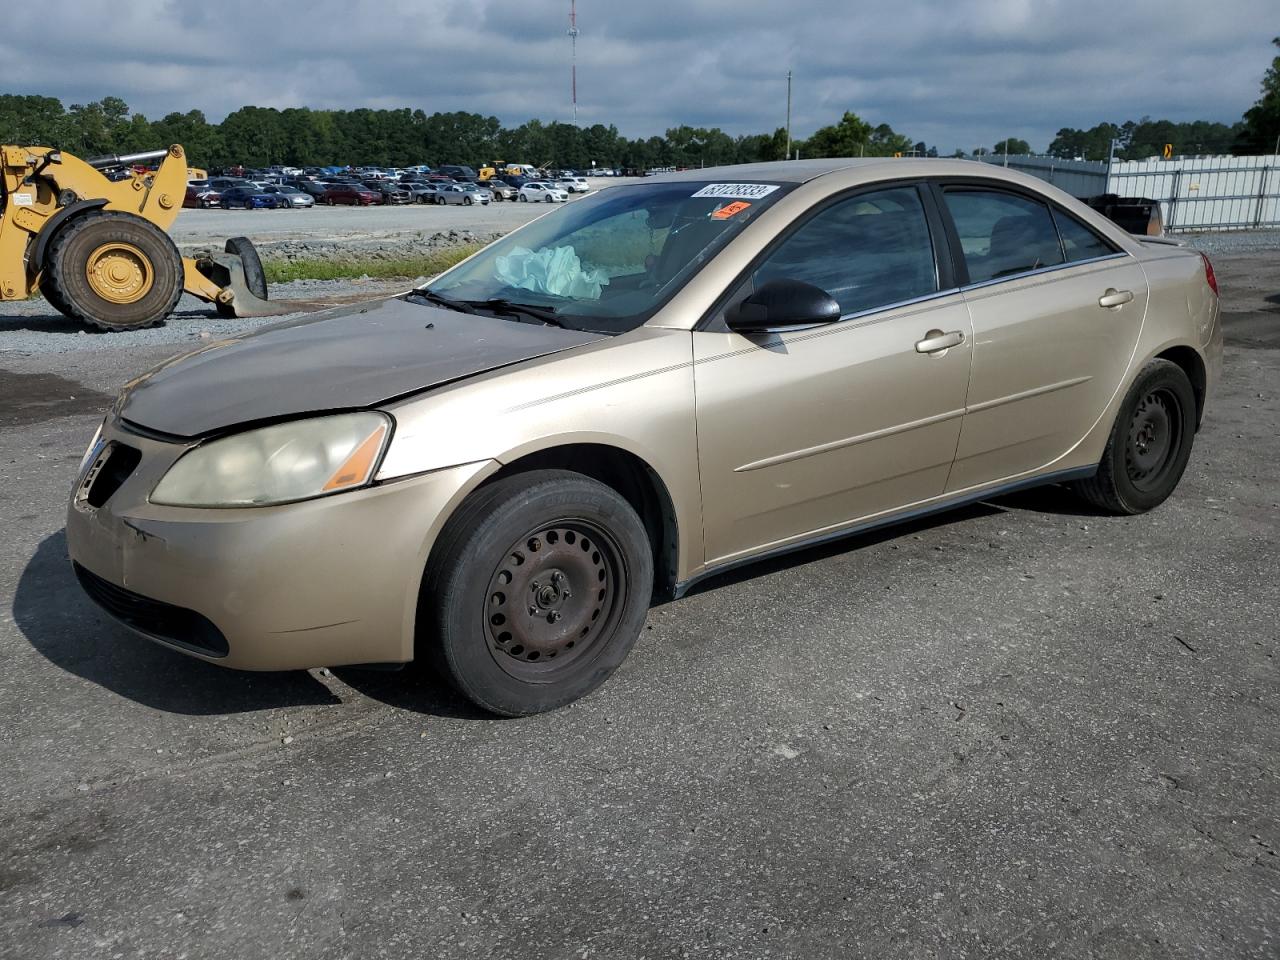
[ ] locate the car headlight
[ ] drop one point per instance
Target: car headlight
(290, 461)
(93, 448)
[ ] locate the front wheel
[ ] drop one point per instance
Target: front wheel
(523, 198)
(116, 271)
(468, 201)
(536, 591)
(1150, 443)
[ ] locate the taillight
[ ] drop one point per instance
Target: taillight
(1209, 276)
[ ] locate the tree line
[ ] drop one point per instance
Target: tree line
(299, 136)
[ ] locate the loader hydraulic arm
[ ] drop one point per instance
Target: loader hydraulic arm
(38, 181)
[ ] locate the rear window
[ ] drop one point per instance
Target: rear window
(1003, 234)
(1078, 241)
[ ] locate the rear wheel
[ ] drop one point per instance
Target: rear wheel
(537, 590)
(115, 271)
(1150, 443)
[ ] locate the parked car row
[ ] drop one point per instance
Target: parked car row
(289, 187)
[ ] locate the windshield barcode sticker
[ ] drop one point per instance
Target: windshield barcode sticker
(737, 191)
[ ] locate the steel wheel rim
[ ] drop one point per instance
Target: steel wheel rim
(554, 599)
(1155, 435)
(119, 273)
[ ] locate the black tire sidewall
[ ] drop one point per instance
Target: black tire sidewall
(255, 277)
(505, 513)
(1159, 375)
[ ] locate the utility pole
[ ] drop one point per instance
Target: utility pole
(1006, 151)
(573, 56)
(788, 153)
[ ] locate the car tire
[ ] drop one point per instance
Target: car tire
(1149, 445)
(523, 198)
(536, 591)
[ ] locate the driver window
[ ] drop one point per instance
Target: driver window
(1003, 234)
(868, 251)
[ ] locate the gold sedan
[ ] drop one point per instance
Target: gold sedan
(664, 380)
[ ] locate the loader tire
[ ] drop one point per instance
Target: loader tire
(114, 271)
(49, 290)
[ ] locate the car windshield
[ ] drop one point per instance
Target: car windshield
(608, 261)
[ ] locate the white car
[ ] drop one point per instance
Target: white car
(540, 190)
(573, 184)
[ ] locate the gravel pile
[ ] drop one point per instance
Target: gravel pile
(394, 246)
(1239, 241)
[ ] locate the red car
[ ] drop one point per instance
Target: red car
(351, 194)
(200, 194)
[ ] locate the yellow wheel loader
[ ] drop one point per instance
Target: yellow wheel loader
(98, 248)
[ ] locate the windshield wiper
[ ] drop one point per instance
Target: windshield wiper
(430, 296)
(499, 305)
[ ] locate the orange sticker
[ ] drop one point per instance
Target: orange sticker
(733, 209)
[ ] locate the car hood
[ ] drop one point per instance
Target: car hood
(350, 357)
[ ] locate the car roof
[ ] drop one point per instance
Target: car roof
(802, 171)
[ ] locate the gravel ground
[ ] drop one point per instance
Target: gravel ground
(32, 327)
(1017, 730)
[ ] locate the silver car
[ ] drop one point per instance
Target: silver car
(657, 383)
(287, 196)
(464, 193)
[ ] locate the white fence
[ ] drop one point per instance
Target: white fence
(1205, 193)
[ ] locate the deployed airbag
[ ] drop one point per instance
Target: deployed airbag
(553, 270)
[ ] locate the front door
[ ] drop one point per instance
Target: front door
(803, 432)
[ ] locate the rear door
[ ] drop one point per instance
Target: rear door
(1056, 313)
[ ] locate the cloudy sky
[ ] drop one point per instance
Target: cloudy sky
(949, 72)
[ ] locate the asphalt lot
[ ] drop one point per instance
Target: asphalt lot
(1018, 730)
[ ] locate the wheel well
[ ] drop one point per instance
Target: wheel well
(631, 477)
(1193, 366)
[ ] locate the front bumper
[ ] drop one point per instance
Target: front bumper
(323, 582)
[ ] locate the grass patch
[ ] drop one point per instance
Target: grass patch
(427, 265)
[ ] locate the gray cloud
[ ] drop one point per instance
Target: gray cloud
(959, 73)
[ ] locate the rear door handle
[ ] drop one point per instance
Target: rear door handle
(935, 341)
(1115, 298)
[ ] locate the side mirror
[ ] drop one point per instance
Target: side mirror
(782, 303)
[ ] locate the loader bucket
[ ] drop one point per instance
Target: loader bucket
(233, 297)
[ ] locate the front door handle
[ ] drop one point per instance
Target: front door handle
(935, 342)
(1115, 298)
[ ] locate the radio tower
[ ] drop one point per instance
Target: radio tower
(573, 56)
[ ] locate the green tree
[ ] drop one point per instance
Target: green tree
(848, 138)
(1262, 121)
(33, 121)
(198, 137)
(1012, 146)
